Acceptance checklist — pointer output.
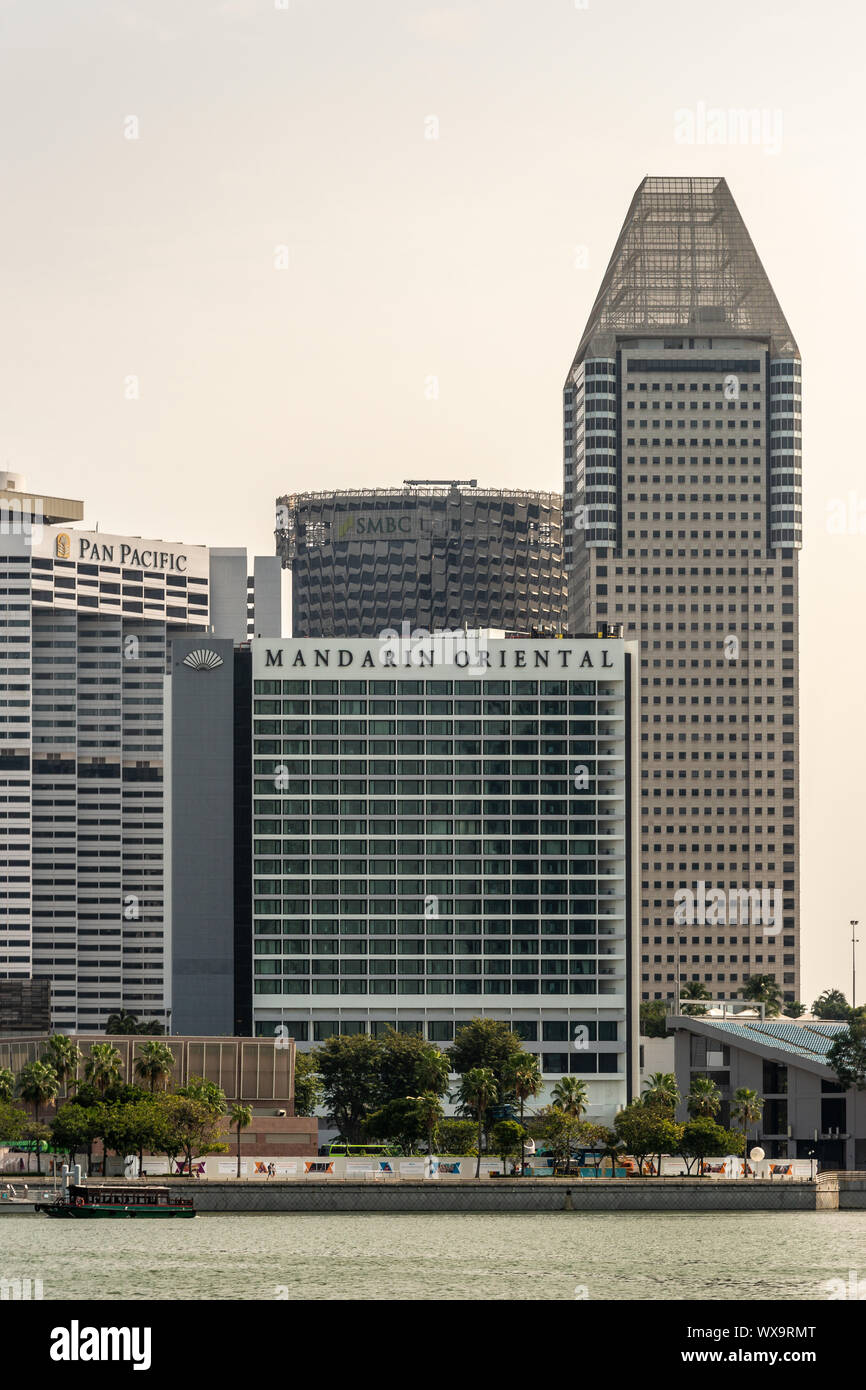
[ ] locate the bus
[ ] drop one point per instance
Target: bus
(340, 1149)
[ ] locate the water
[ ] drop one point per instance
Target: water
(610, 1255)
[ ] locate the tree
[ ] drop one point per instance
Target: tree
(794, 1009)
(830, 1004)
(647, 1129)
(64, 1056)
(847, 1055)
(762, 989)
(37, 1084)
(694, 989)
(508, 1138)
(12, 1121)
(746, 1108)
(130, 1127)
(398, 1122)
(705, 1098)
(151, 1027)
(155, 1062)
(594, 1137)
(7, 1084)
(661, 1091)
(570, 1096)
(349, 1069)
(408, 1066)
(702, 1138)
(430, 1114)
(478, 1089)
(211, 1096)
(653, 1018)
(122, 1023)
(187, 1126)
(456, 1136)
(522, 1076)
(74, 1128)
(240, 1117)
(38, 1134)
(103, 1067)
(561, 1130)
(487, 1043)
(308, 1087)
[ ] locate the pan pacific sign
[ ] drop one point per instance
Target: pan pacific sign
(124, 552)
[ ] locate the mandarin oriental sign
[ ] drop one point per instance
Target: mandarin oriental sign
(461, 654)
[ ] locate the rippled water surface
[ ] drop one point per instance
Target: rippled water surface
(612, 1255)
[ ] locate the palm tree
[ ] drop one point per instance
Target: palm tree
(704, 1099)
(762, 989)
(429, 1108)
(522, 1075)
(570, 1096)
(747, 1107)
(477, 1091)
(64, 1056)
(154, 1063)
(37, 1083)
(661, 1089)
(694, 989)
(122, 1022)
(794, 1010)
(240, 1117)
(831, 1003)
(7, 1084)
(102, 1067)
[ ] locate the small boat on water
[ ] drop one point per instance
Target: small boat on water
(95, 1201)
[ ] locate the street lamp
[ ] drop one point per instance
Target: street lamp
(854, 940)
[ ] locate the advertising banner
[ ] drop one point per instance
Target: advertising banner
(319, 1167)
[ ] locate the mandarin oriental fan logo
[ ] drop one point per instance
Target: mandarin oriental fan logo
(203, 660)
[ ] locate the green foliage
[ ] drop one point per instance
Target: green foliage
(647, 1129)
(746, 1108)
(207, 1093)
(653, 1013)
(399, 1122)
(7, 1084)
(408, 1065)
(308, 1087)
(12, 1121)
(561, 1132)
(693, 989)
(103, 1067)
(477, 1091)
(702, 1138)
(349, 1071)
(794, 1009)
(154, 1063)
(661, 1091)
(64, 1056)
(486, 1043)
(75, 1126)
(570, 1096)
(186, 1125)
(831, 1004)
(457, 1136)
(37, 1084)
(847, 1056)
(705, 1098)
(762, 989)
(507, 1138)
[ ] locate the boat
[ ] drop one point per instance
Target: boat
(96, 1201)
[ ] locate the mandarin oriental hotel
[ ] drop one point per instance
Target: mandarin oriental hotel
(444, 830)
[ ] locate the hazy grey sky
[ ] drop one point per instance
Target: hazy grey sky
(472, 258)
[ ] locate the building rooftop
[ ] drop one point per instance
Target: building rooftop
(684, 263)
(809, 1041)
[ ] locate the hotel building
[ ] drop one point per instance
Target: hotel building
(683, 522)
(443, 829)
(87, 622)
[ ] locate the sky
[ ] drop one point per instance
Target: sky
(250, 247)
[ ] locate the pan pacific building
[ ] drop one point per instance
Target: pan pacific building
(683, 522)
(93, 849)
(443, 827)
(436, 555)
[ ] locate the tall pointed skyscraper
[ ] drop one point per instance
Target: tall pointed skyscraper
(683, 522)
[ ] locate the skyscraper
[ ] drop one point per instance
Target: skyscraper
(683, 521)
(436, 556)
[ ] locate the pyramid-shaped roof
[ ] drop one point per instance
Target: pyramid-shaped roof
(684, 262)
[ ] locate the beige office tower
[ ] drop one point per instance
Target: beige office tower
(683, 522)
